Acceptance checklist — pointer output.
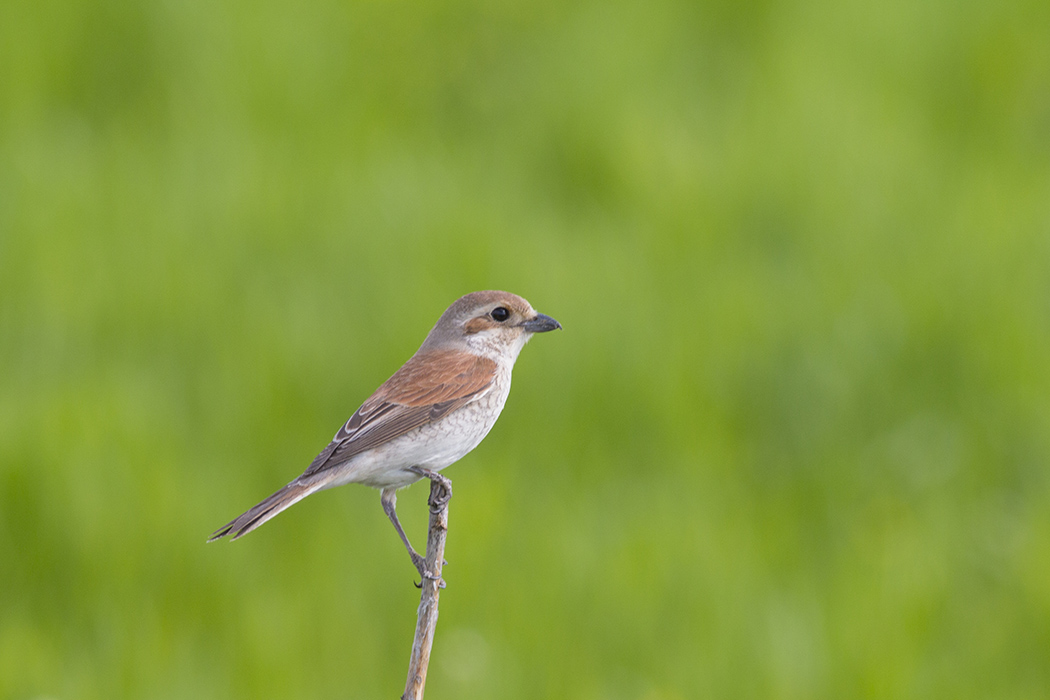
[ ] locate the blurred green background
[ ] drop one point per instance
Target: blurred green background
(792, 443)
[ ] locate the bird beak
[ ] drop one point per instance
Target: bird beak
(540, 324)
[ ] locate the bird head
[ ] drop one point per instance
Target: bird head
(490, 323)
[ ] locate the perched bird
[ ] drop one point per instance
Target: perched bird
(430, 413)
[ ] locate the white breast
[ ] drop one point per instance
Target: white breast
(432, 446)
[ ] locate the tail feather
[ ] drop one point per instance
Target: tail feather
(260, 513)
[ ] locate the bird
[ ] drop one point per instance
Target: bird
(430, 413)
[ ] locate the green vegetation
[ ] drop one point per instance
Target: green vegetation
(792, 443)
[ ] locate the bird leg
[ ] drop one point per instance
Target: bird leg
(389, 500)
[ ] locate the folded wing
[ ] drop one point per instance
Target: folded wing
(427, 387)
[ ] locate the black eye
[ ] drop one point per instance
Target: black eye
(500, 314)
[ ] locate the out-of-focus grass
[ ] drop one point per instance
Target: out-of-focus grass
(792, 443)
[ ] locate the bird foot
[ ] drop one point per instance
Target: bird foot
(438, 497)
(421, 566)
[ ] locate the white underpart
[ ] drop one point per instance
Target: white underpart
(432, 446)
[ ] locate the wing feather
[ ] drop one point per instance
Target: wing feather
(426, 388)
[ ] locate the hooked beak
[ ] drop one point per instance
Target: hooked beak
(541, 324)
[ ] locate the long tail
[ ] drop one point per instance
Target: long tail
(259, 514)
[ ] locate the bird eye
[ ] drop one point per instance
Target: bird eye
(499, 314)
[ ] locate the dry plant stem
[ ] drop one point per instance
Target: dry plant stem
(440, 492)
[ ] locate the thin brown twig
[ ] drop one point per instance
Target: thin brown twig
(426, 620)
